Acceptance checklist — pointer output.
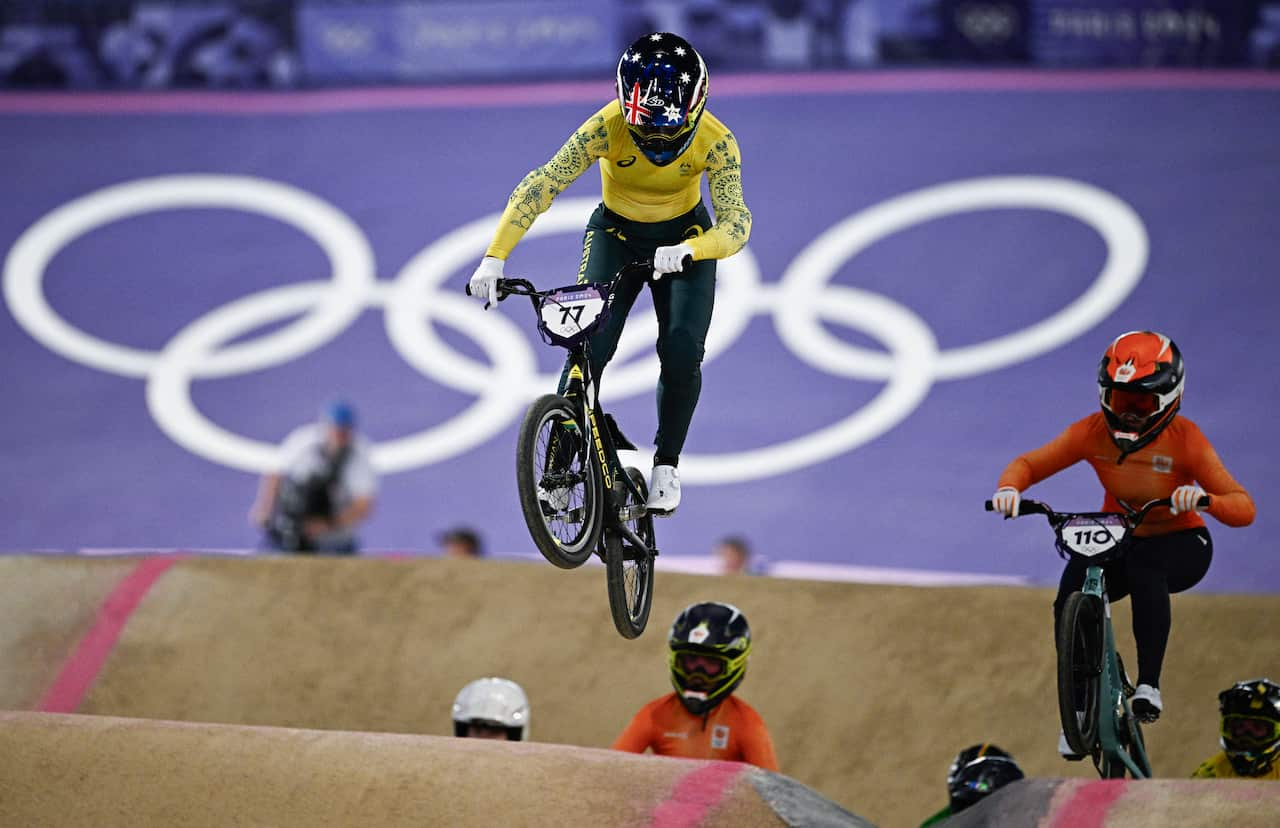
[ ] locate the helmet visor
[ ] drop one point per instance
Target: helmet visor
(708, 665)
(1133, 404)
(1243, 732)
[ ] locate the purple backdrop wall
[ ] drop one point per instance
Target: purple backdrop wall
(86, 464)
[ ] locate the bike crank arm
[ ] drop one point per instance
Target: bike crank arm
(633, 539)
(629, 513)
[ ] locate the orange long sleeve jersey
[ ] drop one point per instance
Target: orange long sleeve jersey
(733, 731)
(1180, 455)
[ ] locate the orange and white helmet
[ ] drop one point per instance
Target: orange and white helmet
(1140, 381)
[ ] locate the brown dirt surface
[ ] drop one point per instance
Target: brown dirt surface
(46, 605)
(869, 691)
(102, 771)
(1198, 804)
(1157, 803)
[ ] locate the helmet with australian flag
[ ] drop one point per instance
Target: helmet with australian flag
(662, 87)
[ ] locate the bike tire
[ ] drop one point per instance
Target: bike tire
(629, 571)
(1080, 643)
(565, 536)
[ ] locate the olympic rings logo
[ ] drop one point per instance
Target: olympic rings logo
(416, 302)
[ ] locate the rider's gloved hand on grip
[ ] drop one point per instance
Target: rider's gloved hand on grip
(1186, 499)
(670, 259)
(484, 282)
(1006, 501)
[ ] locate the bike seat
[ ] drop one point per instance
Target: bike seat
(620, 441)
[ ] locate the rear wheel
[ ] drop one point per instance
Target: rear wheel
(630, 569)
(1080, 671)
(559, 484)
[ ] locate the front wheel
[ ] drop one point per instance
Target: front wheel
(630, 570)
(1080, 670)
(559, 482)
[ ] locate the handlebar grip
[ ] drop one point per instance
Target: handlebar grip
(687, 261)
(1204, 502)
(1026, 506)
(468, 288)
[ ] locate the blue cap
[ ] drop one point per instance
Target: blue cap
(340, 413)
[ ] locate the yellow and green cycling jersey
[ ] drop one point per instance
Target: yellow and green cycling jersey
(1219, 767)
(637, 189)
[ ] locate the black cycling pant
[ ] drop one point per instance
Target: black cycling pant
(682, 301)
(1152, 568)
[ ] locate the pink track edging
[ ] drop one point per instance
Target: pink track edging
(733, 86)
(82, 668)
(695, 794)
(1089, 803)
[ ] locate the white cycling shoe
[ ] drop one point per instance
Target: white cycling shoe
(1065, 750)
(664, 490)
(1146, 704)
(554, 500)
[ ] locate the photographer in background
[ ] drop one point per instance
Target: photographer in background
(321, 489)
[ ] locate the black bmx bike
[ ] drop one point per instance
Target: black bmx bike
(576, 497)
(1093, 688)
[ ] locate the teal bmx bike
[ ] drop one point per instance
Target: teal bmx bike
(1093, 688)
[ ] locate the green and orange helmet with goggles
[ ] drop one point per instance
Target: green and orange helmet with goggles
(1251, 725)
(662, 88)
(1140, 382)
(708, 648)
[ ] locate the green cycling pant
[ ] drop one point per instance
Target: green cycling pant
(682, 301)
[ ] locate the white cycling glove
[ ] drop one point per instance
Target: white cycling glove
(1186, 499)
(1006, 501)
(670, 259)
(484, 282)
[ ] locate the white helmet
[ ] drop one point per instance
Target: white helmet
(496, 702)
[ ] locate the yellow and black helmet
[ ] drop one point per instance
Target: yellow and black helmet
(1251, 725)
(708, 648)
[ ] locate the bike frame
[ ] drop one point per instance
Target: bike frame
(1114, 712)
(1112, 701)
(582, 391)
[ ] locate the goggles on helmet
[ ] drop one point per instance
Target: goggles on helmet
(710, 666)
(1249, 731)
(1133, 403)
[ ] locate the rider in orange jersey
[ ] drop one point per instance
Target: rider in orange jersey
(1141, 450)
(709, 644)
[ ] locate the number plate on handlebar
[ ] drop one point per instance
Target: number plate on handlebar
(569, 315)
(1089, 536)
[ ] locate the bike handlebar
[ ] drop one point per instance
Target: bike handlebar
(1135, 517)
(523, 287)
